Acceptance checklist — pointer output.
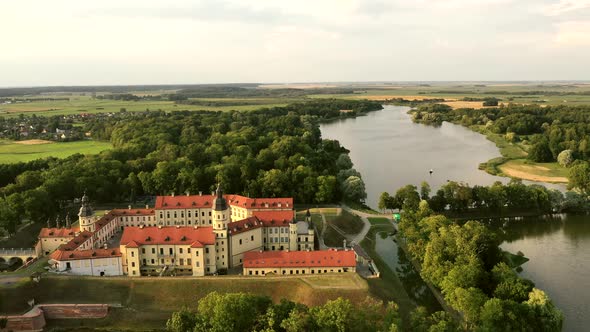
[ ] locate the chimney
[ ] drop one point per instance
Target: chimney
(344, 243)
(129, 207)
(200, 193)
(177, 226)
(188, 193)
(160, 226)
(106, 246)
(147, 206)
(213, 193)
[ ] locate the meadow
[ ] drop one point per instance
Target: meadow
(16, 151)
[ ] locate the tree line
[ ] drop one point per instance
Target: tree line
(465, 263)
(271, 152)
(550, 133)
(247, 312)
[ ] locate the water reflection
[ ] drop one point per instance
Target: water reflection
(401, 265)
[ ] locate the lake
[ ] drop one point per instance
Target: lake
(390, 151)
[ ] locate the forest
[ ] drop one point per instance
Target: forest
(463, 260)
(551, 133)
(271, 152)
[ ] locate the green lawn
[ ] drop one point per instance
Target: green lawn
(349, 223)
(11, 152)
(148, 302)
(379, 221)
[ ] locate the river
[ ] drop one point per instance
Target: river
(390, 151)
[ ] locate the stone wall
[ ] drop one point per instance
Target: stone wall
(34, 320)
(77, 311)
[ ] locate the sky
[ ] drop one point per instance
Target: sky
(110, 42)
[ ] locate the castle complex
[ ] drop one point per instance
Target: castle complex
(181, 235)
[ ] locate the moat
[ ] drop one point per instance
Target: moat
(390, 151)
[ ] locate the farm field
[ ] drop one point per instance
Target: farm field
(13, 152)
(85, 104)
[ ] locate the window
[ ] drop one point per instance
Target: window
(171, 251)
(181, 262)
(132, 253)
(132, 264)
(161, 251)
(153, 250)
(133, 272)
(188, 261)
(143, 250)
(252, 237)
(209, 213)
(180, 250)
(152, 261)
(162, 260)
(188, 250)
(240, 241)
(197, 253)
(144, 262)
(206, 250)
(198, 264)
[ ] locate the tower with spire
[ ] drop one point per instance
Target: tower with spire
(221, 217)
(86, 215)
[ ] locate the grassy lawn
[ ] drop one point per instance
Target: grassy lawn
(332, 238)
(525, 169)
(11, 152)
(148, 302)
(379, 221)
(349, 223)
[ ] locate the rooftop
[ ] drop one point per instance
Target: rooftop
(58, 232)
(208, 201)
(319, 258)
(137, 236)
(63, 255)
(275, 218)
(243, 225)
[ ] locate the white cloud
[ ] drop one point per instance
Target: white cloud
(565, 6)
(573, 33)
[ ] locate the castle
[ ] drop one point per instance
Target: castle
(181, 235)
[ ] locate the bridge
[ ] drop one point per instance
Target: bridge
(13, 255)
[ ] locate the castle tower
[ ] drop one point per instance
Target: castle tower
(221, 217)
(293, 235)
(85, 215)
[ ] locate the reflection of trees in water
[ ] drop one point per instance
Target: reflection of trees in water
(414, 285)
(528, 227)
(577, 228)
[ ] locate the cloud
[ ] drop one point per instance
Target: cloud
(573, 33)
(565, 6)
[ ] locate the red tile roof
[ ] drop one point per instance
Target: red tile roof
(320, 258)
(76, 241)
(133, 212)
(274, 218)
(67, 255)
(260, 203)
(59, 232)
(167, 235)
(184, 202)
(243, 225)
(206, 201)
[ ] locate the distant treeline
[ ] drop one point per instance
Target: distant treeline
(28, 100)
(242, 92)
(514, 93)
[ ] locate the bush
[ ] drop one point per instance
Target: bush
(565, 158)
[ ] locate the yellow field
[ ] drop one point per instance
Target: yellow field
(540, 173)
(33, 142)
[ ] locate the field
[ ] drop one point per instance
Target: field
(543, 172)
(13, 152)
(146, 303)
(85, 104)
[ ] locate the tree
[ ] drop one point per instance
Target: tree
(181, 321)
(343, 162)
(386, 201)
(546, 316)
(565, 158)
(326, 189)
(407, 198)
(353, 189)
(540, 152)
(424, 190)
(579, 177)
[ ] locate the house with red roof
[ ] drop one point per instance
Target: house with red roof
(286, 262)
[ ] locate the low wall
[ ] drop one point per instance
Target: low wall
(74, 311)
(34, 320)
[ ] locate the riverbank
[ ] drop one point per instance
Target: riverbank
(513, 163)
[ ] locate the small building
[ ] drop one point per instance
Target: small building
(51, 238)
(287, 262)
(93, 262)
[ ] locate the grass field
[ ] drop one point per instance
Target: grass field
(543, 172)
(87, 104)
(379, 221)
(12, 152)
(148, 302)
